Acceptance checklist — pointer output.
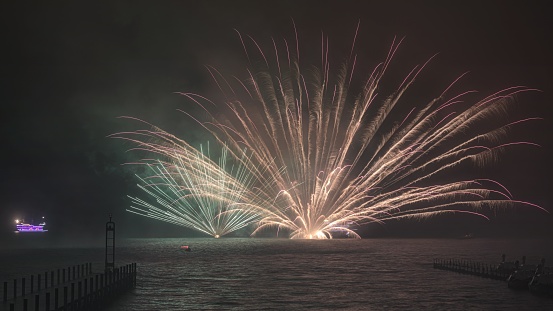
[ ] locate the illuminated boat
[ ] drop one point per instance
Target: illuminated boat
(185, 248)
(23, 227)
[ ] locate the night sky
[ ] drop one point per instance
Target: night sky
(70, 68)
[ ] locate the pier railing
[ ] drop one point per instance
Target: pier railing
(76, 288)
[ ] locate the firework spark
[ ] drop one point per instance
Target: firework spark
(328, 160)
(194, 192)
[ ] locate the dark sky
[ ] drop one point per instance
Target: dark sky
(69, 68)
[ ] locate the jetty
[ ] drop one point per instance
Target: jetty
(475, 268)
(71, 288)
(519, 276)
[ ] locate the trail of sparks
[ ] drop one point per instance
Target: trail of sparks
(194, 192)
(324, 161)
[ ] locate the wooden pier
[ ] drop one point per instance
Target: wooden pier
(519, 276)
(476, 268)
(72, 288)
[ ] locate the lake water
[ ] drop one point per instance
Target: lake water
(281, 274)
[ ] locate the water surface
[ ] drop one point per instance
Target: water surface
(282, 274)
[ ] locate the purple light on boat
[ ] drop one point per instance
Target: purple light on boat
(30, 228)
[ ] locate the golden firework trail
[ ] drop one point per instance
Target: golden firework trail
(324, 160)
(193, 191)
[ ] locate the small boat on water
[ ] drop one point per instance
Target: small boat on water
(185, 248)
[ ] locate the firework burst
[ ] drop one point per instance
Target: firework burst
(191, 190)
(329, 160)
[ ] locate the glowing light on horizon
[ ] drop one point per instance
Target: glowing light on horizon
(323, 160)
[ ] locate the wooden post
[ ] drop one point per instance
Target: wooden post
(47, 303)
(5, 295)
(101, 289)
(110, 283)
(46, 280)
(107, 281)
(14, 288)
(72, 295)
(65, 298)
(56, 299)
(25, 304)
(125, 276)
(32, 282)
(85, 290)
(91, 295)
(96, 288)
(38, 282)
(116, 279)
(79, 295)
(59, 281)
(22, 286)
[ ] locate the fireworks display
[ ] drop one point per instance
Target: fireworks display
(322, 159)
(195, 192)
